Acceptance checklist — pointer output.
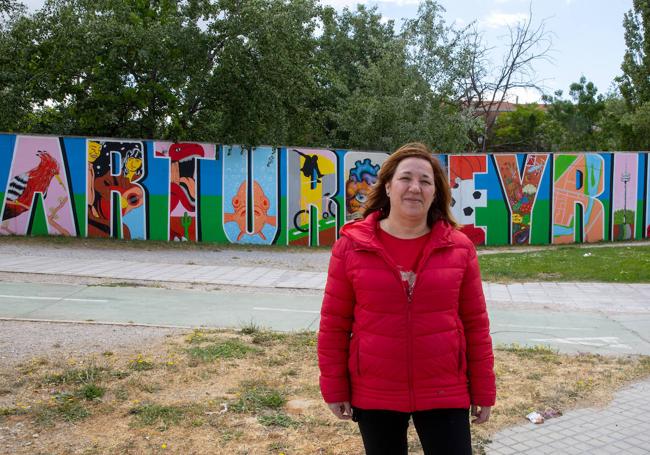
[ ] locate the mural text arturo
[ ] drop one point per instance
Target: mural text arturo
(199, 192)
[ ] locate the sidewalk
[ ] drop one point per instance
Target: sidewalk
(606, 297)
(621, 427)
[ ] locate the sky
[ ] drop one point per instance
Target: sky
(587, 35)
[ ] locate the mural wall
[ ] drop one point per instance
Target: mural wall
(128, 189)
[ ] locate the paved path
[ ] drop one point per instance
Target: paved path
(622, 427)
(606, 297)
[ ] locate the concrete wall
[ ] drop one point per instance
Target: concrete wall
(132, 189)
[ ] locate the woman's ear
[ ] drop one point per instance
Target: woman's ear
(387, 188)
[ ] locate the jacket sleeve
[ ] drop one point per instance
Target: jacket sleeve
(335, 327)
(473, 314)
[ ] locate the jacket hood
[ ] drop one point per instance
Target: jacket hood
(364, 232)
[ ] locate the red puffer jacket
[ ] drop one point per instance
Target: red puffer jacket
(381, 349)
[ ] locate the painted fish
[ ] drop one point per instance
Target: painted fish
(261, 207)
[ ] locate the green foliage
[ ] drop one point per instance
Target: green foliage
(65, 406)
(88, 375)
(526, 129)
(91, 392)
(250, 72)
(579, 116)
(277, 419)
(539, 352)
(156, 414)
(230, 349)
(255, 396)
(634, 83)
(140, 363)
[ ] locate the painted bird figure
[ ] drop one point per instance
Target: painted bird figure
(23, 186)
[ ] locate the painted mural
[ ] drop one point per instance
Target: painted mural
(199, 192)
(520, 177)
(466, 197)
(183, 165)
(312, 186)
(251, 205)
(361, 173)
(114, 199)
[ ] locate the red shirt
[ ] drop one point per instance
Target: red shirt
(405, 253)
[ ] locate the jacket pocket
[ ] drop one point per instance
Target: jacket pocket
(461, 352)
(354, 357)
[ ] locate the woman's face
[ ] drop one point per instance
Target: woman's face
(412, 189)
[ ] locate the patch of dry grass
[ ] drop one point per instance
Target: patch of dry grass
(253, 392)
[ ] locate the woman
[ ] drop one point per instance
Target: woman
(404, 330)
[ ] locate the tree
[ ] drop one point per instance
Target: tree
(527, 129)
(146, 68)
(487, 89)
(579, 116)
(409, 92)
(634, 83)
(349, 44)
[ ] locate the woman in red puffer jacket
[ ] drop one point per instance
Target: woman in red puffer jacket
(404, 330)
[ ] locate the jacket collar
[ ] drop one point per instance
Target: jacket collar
(364, 233)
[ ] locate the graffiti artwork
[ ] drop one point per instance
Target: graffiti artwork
(183, 163)
(250, 194)
(578, 214)
(624, 186)
(465, 197)
(520, 187)
(312, 188)
(187, 191)
(115, 202)
(37, 190)
(361, 173)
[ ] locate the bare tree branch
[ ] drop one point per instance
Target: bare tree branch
(487, 90)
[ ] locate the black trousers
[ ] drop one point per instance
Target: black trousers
(441, 431)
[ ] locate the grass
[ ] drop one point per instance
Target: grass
(229, 349)
(157, 415)
(625, 264)
(91, 392)
(255, 396)
(88, 375)
(265, 400)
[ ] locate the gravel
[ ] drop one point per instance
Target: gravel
(21, 341)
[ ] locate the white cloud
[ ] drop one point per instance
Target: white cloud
(351, 4)
(524, 95)
(497, 20)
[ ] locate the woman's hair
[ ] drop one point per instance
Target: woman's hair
(378, 200)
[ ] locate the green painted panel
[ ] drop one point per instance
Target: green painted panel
(80, 213)
(562, 163)
(540, 229)
(495, 218)
(607, 219)
(39, 222)
(210, 219)
(158, 217)
(283, 235)
(638, 223)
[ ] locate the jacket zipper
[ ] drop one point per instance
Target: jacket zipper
(460, 351)
(409, 342)
(409, 292)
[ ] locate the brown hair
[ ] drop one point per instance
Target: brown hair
(378, 200)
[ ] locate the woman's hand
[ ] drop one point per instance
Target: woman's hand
(342, 410)
(482, 413)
